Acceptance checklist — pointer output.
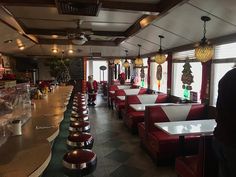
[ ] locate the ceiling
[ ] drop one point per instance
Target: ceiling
(111, 26)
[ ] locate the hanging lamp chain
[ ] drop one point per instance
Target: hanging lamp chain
(204, 30)
(139, 50)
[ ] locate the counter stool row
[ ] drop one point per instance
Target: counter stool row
(80, 160)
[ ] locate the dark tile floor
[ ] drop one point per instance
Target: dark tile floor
(118, 151)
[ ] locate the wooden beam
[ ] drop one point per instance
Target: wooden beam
(37, 3)
(129, 6)
(66, 42)
(36, 31)
(106, 5)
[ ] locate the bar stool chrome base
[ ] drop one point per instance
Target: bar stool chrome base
(80, 141)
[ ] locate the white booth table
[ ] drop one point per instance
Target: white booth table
(141, 107)
(112, 92)
(122, 98)
(184, 128)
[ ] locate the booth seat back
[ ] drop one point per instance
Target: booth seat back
(144, 99)
(125, 92)
(168, 113)
(123, 86)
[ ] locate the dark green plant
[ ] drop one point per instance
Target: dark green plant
(56, 66)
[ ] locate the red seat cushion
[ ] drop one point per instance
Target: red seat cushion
(80, 137)
(120, 106)
(79, 156)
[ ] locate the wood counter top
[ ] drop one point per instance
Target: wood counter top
(30, 153)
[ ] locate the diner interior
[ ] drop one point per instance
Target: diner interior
(112, 88)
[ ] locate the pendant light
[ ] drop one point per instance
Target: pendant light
(126, 63)
(160, 57)
(204, 50)
(117, 61)
(138, 61)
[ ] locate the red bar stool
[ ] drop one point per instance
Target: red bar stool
(79, 126)
(80, 109)
(83, 117)
(79, 162)
(80, 140)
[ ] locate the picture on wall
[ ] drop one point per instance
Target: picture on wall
(6, 61)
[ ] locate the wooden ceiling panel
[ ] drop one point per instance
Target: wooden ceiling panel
(8, 33)
(171, 40)
(185, 23)
(42, 24)
(146, 44)
(222, 9)
(138, 1)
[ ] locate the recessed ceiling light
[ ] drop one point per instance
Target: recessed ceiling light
(21, 47)
(70, 51)
(54, 36)
(8, 41)
(54, 50)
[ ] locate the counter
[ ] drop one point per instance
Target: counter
(30, 153)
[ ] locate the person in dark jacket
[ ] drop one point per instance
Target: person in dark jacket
(225, 131)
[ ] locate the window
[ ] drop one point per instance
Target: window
(225, 51)
(177, 68)
(98, 74)
(225, 58)
(218, 71)
(153, 79)
(138, 71)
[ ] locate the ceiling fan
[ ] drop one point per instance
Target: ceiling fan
(79, 36)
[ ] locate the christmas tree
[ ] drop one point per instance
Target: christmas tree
(187, 78)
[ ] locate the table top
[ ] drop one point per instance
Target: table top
(30, 153)
(141, 107)
(122, 98)
(182, 128)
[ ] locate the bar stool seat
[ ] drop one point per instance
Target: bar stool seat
(82, 117)
(76, 104)
(78, 113)
(79, 162)
(79, 126)
(79, 109)
(80, 140)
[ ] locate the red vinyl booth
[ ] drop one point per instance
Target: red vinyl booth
(111, 96)
(203, 164)
(120, 104)
(132, 117)
(159, 144)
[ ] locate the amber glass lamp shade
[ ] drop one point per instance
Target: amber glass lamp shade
(126, 64)
(160, 57)
(117, 61)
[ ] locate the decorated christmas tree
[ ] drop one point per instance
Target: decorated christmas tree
(187, 78)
